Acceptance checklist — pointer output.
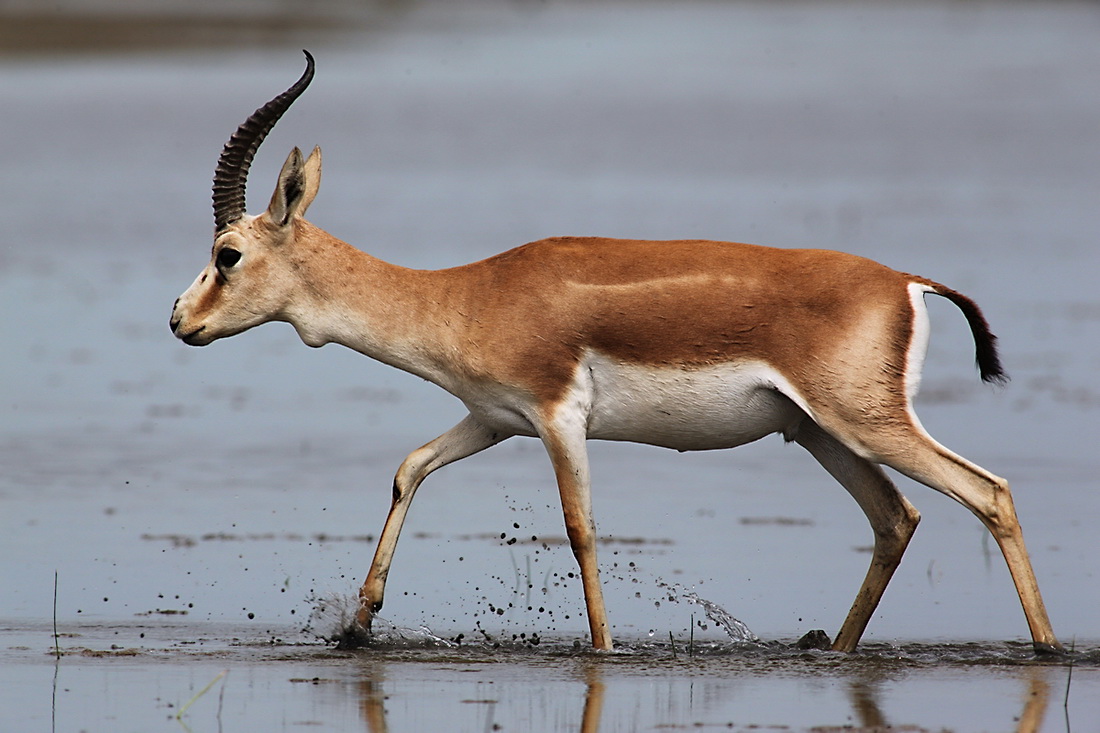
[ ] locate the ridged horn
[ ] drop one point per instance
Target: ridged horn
(231, 175)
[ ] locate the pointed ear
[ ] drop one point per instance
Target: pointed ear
(298, 183)
(313, 179)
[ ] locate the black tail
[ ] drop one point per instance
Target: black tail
(985, 343)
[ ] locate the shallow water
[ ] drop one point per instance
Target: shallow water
(144, 675)
(211, 494)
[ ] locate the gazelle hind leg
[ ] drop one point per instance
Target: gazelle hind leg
(893, 520)
(464, 439)
(922, 459)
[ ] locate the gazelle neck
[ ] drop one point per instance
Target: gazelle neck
(387, 312)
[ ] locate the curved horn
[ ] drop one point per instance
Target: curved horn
(231, 175)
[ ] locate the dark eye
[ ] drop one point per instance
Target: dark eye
(228, 257)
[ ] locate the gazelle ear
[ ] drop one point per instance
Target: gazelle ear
(298, 184)
(313, 179)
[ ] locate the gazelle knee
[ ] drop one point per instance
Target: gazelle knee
(1000, 515)
(908, 522)
(894, 538)
(582, 536)
(411, 473)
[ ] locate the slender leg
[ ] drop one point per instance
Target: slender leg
(988, 497)
(565, 442)
(464, 439)
(893, 520)
(908, 449)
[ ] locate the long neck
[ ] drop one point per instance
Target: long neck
(389, 313)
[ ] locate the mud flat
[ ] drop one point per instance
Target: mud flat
(157, 675)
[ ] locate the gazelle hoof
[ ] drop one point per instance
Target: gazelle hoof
(1044, 649)
(352, 635)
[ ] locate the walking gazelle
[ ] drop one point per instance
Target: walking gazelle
(692, 345)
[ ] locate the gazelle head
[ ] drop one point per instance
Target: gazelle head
(251, 276)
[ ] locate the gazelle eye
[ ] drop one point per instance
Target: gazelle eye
(228, 257)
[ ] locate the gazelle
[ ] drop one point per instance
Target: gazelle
(692, 345)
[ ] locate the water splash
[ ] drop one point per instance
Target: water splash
(331, 617)
(333, 620)
(736, 629)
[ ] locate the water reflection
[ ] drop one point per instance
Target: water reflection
(1035, 702)
(372, 704)
(625, 691)
(372, 701)
(865, 693)
(594, 689)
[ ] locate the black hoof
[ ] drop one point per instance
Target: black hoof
(1043, 649)
(352, 636)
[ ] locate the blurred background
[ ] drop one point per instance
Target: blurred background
(113, 26)
(956, 140)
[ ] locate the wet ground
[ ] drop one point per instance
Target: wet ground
(155, 675)
(196, 506)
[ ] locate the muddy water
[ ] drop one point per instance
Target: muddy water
(148, 676)
(207, 498)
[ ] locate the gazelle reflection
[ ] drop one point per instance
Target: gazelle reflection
(864, 691)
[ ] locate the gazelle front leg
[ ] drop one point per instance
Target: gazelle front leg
(564, 439)
(464, 439)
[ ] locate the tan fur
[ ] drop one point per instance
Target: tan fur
(822, 336)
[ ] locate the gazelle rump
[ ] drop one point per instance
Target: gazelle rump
(691, 345)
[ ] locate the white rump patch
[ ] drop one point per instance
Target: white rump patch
(918, 340)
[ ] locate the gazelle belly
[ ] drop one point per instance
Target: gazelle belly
(686, 408)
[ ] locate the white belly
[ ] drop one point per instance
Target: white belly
(686, 409)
